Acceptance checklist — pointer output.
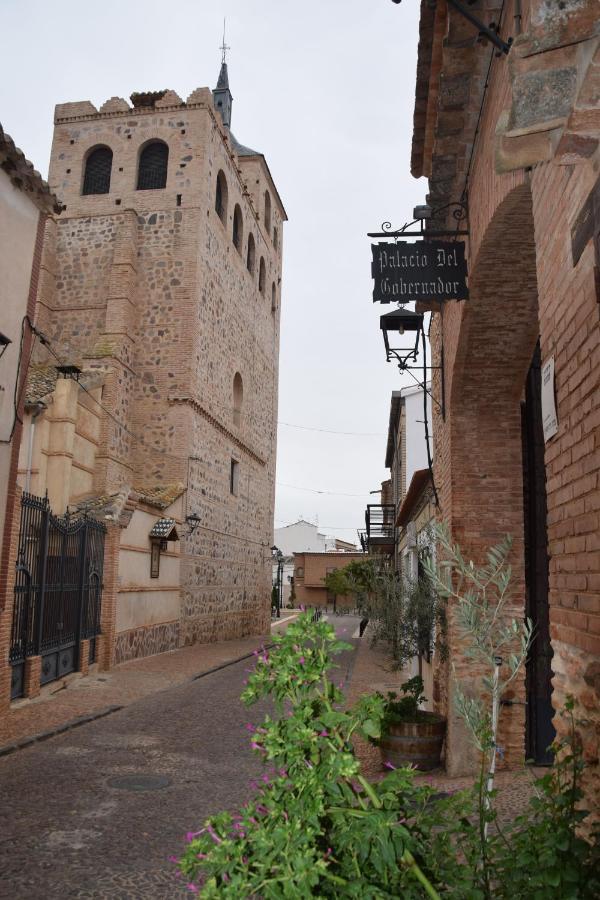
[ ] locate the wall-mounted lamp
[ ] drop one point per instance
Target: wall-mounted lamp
(193, 520)
(401, 321)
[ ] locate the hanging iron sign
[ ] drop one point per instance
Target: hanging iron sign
(425, 270)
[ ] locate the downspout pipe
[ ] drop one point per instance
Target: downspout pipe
(37, 411)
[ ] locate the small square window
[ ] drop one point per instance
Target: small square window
(234, 476)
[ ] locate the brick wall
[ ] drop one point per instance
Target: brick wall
(523, 283)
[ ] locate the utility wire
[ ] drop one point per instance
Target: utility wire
(159, 450)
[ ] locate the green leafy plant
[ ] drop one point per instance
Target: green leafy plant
(495, 641)
(543, 856)
(407, 707)
(317, 827)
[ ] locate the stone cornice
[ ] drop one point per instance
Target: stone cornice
(234, 438)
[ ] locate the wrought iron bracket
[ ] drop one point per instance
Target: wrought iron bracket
(459, 213)
(487, 32)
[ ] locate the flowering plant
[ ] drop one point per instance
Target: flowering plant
(317, 827)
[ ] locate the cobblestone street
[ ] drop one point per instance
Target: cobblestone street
(69, 830)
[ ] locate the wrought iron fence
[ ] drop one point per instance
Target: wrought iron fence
(58, 589)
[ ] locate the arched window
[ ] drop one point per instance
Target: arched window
(251, 255)
(275, 238)
(96, 176)
(221, 197)
(262, 275)
(268, 212)
(273, 297)
(238, 398)
(238, 228)
(152, 167)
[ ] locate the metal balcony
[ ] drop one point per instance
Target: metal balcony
(380, 529)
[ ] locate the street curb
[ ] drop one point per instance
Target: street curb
(6, 749)
(58, 729)
(230, 662)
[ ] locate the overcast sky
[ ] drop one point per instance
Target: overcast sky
(325, 88)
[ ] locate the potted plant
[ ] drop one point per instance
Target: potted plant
(411, 735)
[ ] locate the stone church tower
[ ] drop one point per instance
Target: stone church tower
(162, 279)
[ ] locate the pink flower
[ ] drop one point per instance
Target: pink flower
(301, 660)
(249, 726)
(266, 779)
(245, 860)
(323, 734)
(173, 859)
(389, 765)
(193, 834)
(192, 888)
(213, 834)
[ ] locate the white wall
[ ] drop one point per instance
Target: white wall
(18, 227)
(301, 537)
(416, 450)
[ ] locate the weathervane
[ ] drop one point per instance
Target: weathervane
(224, 48)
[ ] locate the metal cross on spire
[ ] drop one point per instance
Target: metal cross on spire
(224, 47)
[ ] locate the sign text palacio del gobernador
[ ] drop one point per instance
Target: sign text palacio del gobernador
(425, 270)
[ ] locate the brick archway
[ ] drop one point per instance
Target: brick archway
(499, 329)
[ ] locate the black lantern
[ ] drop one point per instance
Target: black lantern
(401, 322)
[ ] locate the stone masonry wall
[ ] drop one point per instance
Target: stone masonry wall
(149, 285)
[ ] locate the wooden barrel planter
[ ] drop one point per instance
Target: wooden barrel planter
(417, 744)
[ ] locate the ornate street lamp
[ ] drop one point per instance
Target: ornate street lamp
(278, 555)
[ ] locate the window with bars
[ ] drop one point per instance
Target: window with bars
(96, 177)
(152, 168)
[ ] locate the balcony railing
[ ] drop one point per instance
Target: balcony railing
(380, 529)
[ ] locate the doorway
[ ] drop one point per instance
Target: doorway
(539, 730)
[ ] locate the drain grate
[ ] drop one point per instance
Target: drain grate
(139, 782)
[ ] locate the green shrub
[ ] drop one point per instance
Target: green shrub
(318, 828)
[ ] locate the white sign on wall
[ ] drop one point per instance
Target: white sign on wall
(549, 417)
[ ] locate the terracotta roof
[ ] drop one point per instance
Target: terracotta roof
(105, 506)
(23, 175)
(160, 495)
(41, 381)
(419, 482)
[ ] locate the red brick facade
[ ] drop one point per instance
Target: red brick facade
(529, 160)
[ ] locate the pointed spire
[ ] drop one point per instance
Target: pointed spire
(223, 80)
(222, 98)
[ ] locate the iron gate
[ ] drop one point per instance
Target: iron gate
(58, 590)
